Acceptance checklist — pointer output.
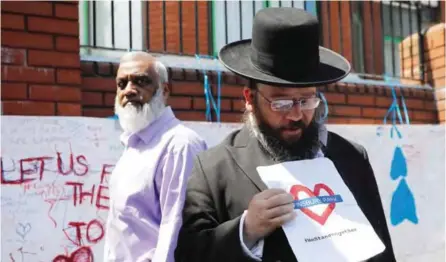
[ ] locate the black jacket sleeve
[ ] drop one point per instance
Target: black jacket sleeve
(203, 237)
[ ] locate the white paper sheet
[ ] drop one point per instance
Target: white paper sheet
(329, 225)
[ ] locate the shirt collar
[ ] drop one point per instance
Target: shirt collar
(150, 131)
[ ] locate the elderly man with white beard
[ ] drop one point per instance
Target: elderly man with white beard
(148, 183)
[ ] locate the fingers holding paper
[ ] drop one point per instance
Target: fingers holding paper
(267, 211)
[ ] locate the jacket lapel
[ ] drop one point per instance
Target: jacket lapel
(248, 155)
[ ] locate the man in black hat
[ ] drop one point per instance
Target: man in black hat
(229, 214)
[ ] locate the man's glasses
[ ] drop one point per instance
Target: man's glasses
(284, 105)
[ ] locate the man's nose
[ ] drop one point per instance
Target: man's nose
(130, 89)
(295, 114)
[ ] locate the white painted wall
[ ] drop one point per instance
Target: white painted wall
(36, 216)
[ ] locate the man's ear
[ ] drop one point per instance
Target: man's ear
(166, 90)
(248, 94)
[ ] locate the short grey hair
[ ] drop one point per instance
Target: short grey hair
(161, 71)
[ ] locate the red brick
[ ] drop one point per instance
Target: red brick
(28, 74)
(92, 98)
(430, 117)
(200, 103)
(384, 101)
(50, 58)
(440, 94)
(361, 121)
(13, 91)
(69, 109)
(99, 84)
(109, 99)
(231, 117)
(335, 98)
(190, 115)
(68, 76)
(441, 116)
(414, 103)
(179, 102)
(31, 7)
(433, 53)
(346, 110)
(435, 38)
(238, 105)
(54, 93)
(28, 108)
(56, 26)
(430, 105)
(440, 105)
(26, 40)
(177, 73)
(337, 120)
(374, 112)
(229, 91)
(104, 68)
(10, 21)
(13, 56)
(440, 82)
(66, 43)
(67, 11)
(187, 88)
(87, 68)
(436, 63)
(360, 100)
(98, 112)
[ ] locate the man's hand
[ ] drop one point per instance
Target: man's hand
(267, 211)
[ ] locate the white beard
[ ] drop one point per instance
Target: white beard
(133, 119)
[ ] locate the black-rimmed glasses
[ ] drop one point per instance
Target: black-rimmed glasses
(284, 105)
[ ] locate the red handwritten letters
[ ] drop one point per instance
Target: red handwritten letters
(83, 184)
(92, 231)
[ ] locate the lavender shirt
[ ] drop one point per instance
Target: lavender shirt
(147, 191)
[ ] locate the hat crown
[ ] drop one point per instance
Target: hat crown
(284, 50)
(284, 30)
(282, 37)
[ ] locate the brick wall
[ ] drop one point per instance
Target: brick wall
(40, 58)
(348, 103)
(42, 74)
(337, 33)
(434, 62)
(188, 37)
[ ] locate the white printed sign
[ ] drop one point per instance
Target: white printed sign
(55, 172)
(329, 225)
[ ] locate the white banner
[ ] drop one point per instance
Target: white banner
(55, 173)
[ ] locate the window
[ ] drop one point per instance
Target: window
(400, 21)
(232, 20)
(106, 29)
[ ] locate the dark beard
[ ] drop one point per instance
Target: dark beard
(306, 147)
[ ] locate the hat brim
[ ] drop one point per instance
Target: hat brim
(332, 67)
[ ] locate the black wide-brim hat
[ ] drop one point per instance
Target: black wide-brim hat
(284, 50)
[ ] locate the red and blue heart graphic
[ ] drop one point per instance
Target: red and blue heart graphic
(322, 218)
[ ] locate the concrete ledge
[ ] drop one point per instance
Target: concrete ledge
(192, 63)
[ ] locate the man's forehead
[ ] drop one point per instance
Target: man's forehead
(280, 90)
(135, 68)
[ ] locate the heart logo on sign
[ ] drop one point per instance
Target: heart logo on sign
(321, 219)
(82, 254)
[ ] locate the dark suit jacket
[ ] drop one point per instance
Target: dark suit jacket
(224, 180)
